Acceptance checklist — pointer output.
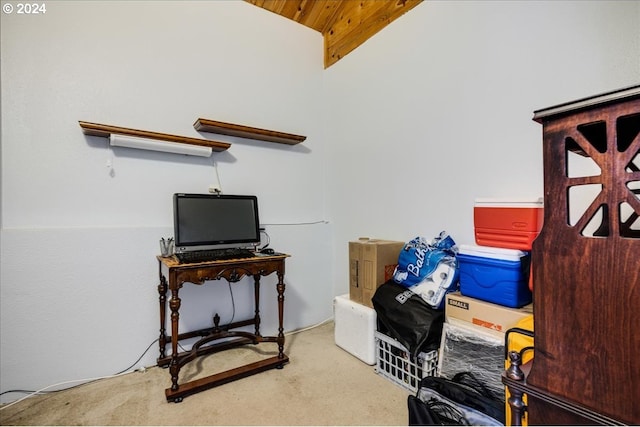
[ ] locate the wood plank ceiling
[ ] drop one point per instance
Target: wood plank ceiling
(344, 24)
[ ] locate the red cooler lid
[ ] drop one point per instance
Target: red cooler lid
(509, 203)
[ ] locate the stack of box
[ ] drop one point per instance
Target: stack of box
(508, 224)
(371, 263)
(495, 290)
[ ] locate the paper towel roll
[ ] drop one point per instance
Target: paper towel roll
(434, 288)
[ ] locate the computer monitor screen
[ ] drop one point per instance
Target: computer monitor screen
(208, 221)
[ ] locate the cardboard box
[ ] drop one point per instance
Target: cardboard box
(371, 263)
(484, 314)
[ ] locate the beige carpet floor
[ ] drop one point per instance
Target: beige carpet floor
(322, 385)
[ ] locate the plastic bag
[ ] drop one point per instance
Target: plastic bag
(429, 269)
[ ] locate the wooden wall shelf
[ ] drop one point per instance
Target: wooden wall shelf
(212, 126)
(96, 129)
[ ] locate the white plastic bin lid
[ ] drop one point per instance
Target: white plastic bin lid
(491, 252)
(509, 203)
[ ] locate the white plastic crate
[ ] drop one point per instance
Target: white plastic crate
(394, 362)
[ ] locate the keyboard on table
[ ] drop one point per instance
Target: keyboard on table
(214, 255)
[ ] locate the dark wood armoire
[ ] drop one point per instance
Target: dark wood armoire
(586, 270)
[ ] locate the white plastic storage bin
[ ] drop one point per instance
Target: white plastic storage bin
(355, 325)
(394, 363)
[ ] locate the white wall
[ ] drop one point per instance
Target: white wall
(436, 111)
(79, 239)
(403, 134)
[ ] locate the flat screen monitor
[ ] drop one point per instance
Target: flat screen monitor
(211, 221)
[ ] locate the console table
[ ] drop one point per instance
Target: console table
(172, 277)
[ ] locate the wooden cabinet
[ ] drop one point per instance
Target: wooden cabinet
(586, 365)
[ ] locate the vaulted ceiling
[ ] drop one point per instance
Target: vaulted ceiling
(344, 24)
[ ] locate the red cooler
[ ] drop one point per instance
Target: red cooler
(510, 224)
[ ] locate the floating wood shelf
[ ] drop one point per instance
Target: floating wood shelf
(212, 126)
(96, 129)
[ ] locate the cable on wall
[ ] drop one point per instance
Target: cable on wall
(216, 188)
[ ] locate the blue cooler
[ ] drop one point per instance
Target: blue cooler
(494, 274)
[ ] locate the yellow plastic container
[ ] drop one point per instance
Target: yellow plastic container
(516, 343)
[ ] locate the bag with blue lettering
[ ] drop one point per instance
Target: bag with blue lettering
(405, 316)
(429, 268)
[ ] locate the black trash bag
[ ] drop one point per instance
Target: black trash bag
(406, 317)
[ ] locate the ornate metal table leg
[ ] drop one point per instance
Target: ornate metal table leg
(174, 367)
(162, 291)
